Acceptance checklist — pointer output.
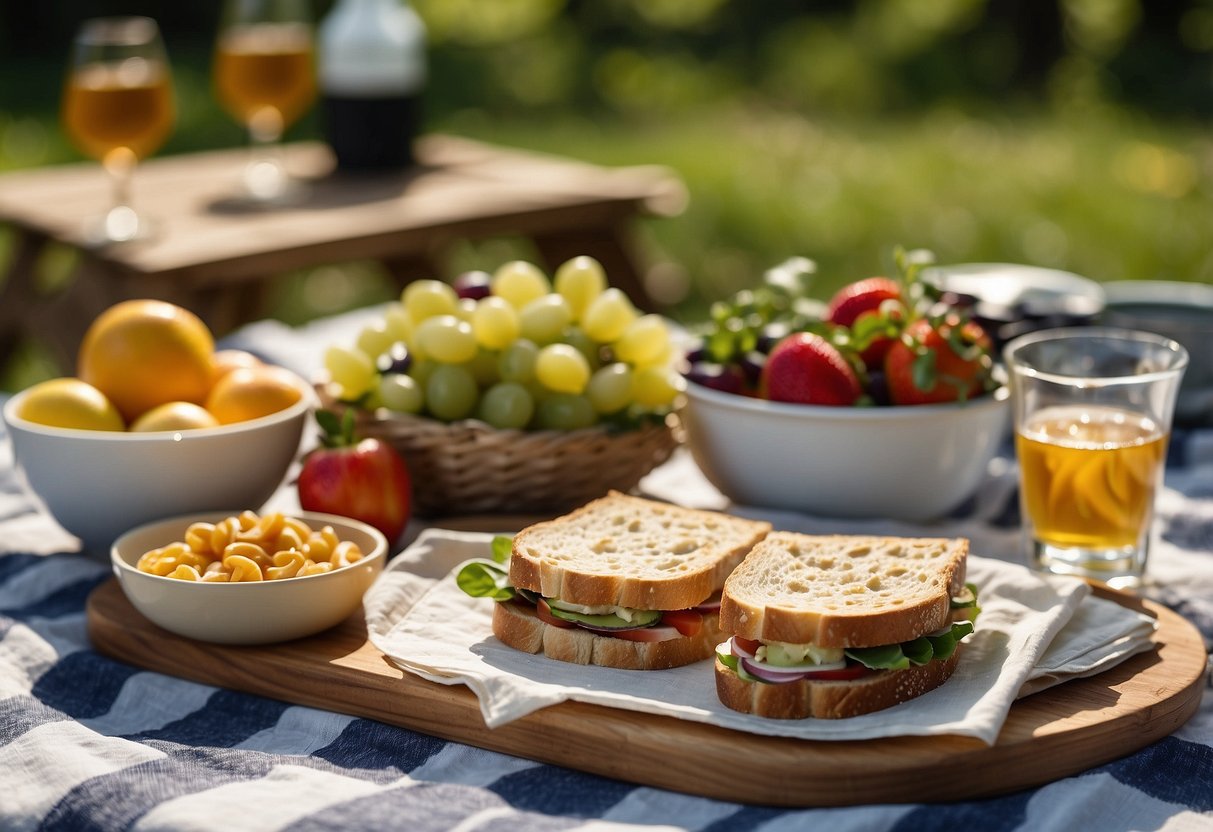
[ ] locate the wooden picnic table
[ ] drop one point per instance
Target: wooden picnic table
(218, 256)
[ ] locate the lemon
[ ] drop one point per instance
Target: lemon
(175, 416)
(70, 403)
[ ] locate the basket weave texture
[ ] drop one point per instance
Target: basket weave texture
(469, 467)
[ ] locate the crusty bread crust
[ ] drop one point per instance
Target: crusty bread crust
(632, 552)
(832, 700)
(516, 625)
(843, 591)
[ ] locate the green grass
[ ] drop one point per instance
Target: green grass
(1100, 193)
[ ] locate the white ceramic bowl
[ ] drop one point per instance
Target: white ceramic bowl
(98, 484)
(261, 612)
(911, 463)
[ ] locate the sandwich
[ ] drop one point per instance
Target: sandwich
(620, 582)
(836, 626)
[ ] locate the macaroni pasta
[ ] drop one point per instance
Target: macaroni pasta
(248, 547)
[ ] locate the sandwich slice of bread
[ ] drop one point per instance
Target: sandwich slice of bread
(620, 582)
(836, 626)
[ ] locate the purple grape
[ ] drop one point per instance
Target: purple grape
(699, 353)
(751, 366)
(397, 359)
(726, 378)
(878, 388)
(473, 285)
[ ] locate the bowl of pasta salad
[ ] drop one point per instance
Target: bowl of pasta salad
(248, 578)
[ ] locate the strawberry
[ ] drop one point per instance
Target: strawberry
(805, 368)
(869, 307)
(854, 299)
(937, 361)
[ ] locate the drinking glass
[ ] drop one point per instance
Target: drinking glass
(264, 76)
(1093, 409)
(118, 108)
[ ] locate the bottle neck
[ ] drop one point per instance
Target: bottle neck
(371, 48)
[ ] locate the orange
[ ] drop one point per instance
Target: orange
(70, 403)
(144, 353)
(228, 360)
(253, 392)
(175, 416)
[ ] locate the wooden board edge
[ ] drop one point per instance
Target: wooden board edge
(653, 751)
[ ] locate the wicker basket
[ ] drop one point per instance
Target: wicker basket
(469, 467)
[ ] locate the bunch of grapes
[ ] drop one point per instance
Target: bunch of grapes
(734, 343)
(515, 350)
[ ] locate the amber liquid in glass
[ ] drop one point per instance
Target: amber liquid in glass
(1089, 475)
(125, 105)
(265, 65)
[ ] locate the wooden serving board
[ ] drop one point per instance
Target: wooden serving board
(1055, 733)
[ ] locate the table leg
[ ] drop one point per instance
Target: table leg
(19, 291)
(609, 247)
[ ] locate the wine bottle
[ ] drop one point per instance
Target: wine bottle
(372, 69)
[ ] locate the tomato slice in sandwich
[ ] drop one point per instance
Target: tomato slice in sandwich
(686, 622)
(661, 632)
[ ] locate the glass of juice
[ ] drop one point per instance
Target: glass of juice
(1092, 409)
(118, 108)
(264, 75)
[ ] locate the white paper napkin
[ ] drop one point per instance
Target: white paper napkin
(421, 620)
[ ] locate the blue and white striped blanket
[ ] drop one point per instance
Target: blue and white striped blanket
(89, 743)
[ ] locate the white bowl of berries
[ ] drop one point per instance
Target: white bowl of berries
(883, 403)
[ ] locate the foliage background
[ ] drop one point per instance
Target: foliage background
(1063, 133)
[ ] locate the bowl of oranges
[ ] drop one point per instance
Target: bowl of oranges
(883, 401)
(155, 423)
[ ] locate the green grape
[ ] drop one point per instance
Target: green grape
(350, 369)
(565, 412)
(517, 361)
(580, 280)
(484, 368)
(401, 393)
(495, 323)
(465, 309)
(421, 369)
(654, 387)
(519, 282)
(447, 339)
(506, 406)
(371, 400)
(451, 392)
(610, 389)
(644, 342)
(398, 323)
(607, 316)
(562, 368)
(375, 339)
(575, 336)
(424, 299)
(544, 319)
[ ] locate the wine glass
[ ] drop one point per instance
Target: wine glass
(118, 108)
(264, 76)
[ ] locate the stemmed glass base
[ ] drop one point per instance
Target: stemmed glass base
(121, 224)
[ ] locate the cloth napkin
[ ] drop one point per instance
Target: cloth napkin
(1033, 630)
